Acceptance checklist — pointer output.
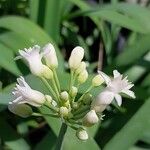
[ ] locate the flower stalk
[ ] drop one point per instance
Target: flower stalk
(61, 136)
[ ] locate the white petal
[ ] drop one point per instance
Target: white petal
(90, 118)
(76, 57)
(129, 86)
(129, 93)
(50, 56)
(105, 77)
(118, 99)
(116, 73)
(21, 110)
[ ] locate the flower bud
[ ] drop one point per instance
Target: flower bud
(76, 57)
(97, 80)
(75, 105)
(82, 134)
(74, 91)
(47, 73)
(90, 118)
(48, 98)
(54, 103)
(81, 67)
(64, 96)
(63, 111)
(82, 76)
(22, 110)
(50, 56)
(102, 101)
(87, 99)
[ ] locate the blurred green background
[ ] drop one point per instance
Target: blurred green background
(115, 35)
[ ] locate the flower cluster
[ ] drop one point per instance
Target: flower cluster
(76, 110)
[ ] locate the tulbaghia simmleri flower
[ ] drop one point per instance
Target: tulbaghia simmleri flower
(90, 118)
(50, 56)
(115, 87)
(76, 108)
(22, 110)
(24, 94)
(33, 58)
(76, 57)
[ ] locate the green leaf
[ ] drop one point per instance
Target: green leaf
(47, 143)
(14, 41)
(53, 18)
(30, 31)
(13, 141)
(34, 9)
(136, 50)
(125, 15)
(146, 81)
(7, 60)
(132, 131)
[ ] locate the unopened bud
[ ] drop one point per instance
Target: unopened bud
(48, 98)
(90, 118)
(50, 56)
(102, 101)
(87, 99)
(63, 111)
(76, 57)
(75, 105)
(47, 73)
(74, 91)
(97, 80)
(54, 103)
(83, 76)
(81, 67)
(64, 96)
(82, 134)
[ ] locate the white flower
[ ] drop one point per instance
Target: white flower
(50, 56)
(22, 110)
(115, 87)
(90, 118)
(82, 134)
(76, 57)
(24, 94)
(102, 101)
(33, 58)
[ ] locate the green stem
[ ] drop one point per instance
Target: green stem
(61, 137)
(40, 115)
(56, 89)
(71, 80)
(80, 99)
(54, 109)
(49, 87)
(56, 79)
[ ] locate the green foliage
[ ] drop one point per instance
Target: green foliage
(99, 29)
